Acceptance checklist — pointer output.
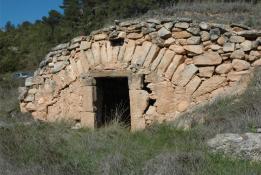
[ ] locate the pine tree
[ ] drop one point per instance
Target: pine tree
(52, 20)
(72, 15)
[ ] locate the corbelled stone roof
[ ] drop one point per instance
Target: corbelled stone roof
(184, 63)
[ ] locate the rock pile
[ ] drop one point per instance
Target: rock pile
(183, 63)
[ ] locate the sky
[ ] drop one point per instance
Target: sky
(18, 11)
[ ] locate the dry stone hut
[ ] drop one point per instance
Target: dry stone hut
(148, 72)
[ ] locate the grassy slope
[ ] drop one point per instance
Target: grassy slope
(224, 13)
(55, 149)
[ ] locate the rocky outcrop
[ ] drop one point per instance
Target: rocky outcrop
(245, 146)
(177, 63)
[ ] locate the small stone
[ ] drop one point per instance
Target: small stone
(205, 36)
(182, 34)
(254, 55)
(236, 76)
(59, 66)
(134, 28)
(214, 34)
(156, 39)
(194, 30)
(204, 26)
(29, 98)
(182, 25)
(222, 40)
(74, 46)
(229, 47)
(177, 49)
(155, 21)
(77, 39)
(174, 29)
(113, 35)
(85, 45)
(32, 91)
(29, 81)
(164, 33)
(197, 49)
(246, 45)
(250, 33)
(208, 58)
(215, 47)
(222, 27)
(206, 43)
(257, 63)
(101, 36)
(238, 54)
(127, 23)
(134, 35)
(169, 42)
(147, 30)
(224, 68)
(242, 26)
(240, 65)
(122, 35)
(194, 40)
(181, 42)
(168, 25)
(238, 46)
(255, 44)
(237, 39)
(206, 71)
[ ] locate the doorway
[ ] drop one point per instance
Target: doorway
(113, 102)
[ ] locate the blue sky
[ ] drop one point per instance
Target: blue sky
(18, 11)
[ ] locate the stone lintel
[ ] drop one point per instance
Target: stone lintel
(99, 74)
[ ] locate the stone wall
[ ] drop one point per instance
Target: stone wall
(172, 65)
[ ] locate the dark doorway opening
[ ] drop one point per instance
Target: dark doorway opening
(113, 102)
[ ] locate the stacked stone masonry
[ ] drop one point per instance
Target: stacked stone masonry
(182, 62)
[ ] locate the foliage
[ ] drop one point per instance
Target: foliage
(22, 47)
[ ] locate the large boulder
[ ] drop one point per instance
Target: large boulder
(246, 146)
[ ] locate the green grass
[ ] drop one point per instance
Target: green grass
(236, 114)
(56, 149)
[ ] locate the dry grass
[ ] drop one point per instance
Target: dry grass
(235, 114)
(55, 149)
(212, 11)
